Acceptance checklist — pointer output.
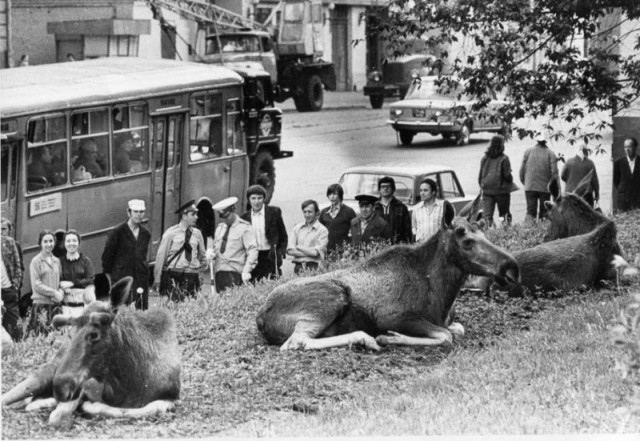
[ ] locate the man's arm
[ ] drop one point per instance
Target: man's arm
(251, 247)
(161, 257)
(282, 233)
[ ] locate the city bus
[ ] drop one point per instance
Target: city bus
(81, 139)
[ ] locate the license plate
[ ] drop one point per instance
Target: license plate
(419, 113)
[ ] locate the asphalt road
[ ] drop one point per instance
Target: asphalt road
(327, 142)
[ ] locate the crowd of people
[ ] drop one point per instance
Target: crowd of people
(248, 247)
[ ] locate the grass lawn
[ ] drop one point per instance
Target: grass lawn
(541, 364)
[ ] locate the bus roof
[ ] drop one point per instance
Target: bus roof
(59, 86)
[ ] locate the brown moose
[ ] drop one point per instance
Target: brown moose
(118, 363)
(402, 295)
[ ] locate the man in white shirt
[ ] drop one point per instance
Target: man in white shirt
(309, 239)
(271, 234)
(426, 218)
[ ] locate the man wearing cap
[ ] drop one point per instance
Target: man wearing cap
(309, 239)
(394, 212)
(125, 253)
(368, 226)
(234, 249)
(539, 165)
(271, 234)
(182, 248)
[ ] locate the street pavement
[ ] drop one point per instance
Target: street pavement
(332, 101)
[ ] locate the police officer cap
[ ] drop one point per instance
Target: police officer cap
(225, 203)
(189, 206)
(136, 205)
(366, 199)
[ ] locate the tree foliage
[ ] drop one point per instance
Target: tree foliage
(532, 49)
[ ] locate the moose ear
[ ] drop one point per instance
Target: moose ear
(584, 186)
(554, 187)
(471, 211)
(449, 212)
(120, 292)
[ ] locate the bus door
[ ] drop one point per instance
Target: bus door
(167, 144)
(236, 146)
(9, 177)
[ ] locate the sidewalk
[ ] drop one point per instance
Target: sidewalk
(333, 100)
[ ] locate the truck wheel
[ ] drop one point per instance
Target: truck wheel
(314, 93)
(263, 172)
(376, 101)
(406, 137)
(301, 104)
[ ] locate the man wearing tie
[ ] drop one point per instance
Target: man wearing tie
(234, 250)
(271, 234)
(182, 248)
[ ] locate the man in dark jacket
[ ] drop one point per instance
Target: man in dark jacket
(368, 226)
(125, 254)
(271, 234)
(626, 177)
(394, 212)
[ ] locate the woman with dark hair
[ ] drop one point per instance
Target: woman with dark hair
(495, 180)
(337, 218)
(45, 270)
(77, 271)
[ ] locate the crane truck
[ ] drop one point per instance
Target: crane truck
(290, 51)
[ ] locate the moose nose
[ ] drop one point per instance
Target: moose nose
(65, 388)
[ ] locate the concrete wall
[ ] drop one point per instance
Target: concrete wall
(29, 23)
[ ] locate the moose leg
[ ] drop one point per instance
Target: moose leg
(151, 409)
(304, 333)
(38, 384)
(422, 333)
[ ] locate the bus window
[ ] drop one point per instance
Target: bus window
(158, 140)
(235, 138)
(89, 145)
(206, 127)
(130, 131)
(46, 153)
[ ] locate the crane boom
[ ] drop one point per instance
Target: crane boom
(206, 13)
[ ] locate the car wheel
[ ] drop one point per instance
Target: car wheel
(406, 137)
(446, 135)
(464, 135)
(376, 101)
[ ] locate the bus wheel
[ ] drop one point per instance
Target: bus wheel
(264, 173)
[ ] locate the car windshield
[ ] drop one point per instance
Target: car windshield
(367, 183)
(426, 88)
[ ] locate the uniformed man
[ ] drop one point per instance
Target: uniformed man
(235, 249)
(182, 254)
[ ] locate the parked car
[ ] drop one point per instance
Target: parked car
(440, 109)
(364, 180)
(395, 78)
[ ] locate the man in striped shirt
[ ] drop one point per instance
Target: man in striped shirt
(426, 218)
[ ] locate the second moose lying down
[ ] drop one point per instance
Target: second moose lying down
(402, 295)
(119, 363)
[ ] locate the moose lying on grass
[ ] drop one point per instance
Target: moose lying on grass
(118, 363)
(568, 213)
(402, 295)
